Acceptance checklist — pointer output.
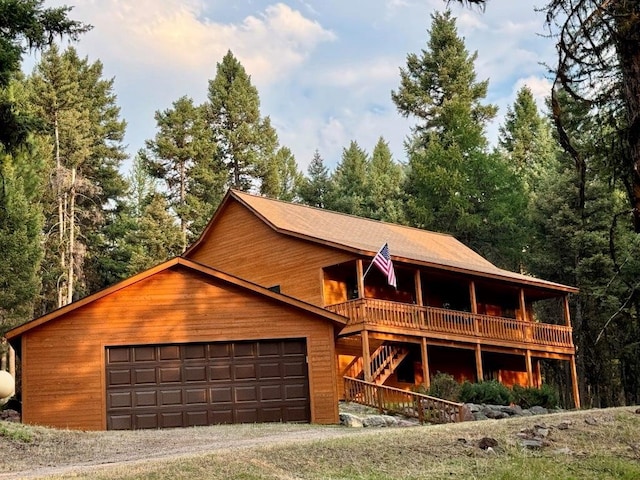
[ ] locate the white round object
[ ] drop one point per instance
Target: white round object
(7, 384)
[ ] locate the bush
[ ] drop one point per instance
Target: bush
(491, 392)
(444, 386)
(527, 397)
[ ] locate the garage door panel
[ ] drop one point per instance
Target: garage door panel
(197, 384)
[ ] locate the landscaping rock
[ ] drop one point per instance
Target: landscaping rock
(350, 420)
(531, 444)
(487, 442)
(10, 415)
(374, 421)
(536, 410)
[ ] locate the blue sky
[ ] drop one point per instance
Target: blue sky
(324, 69)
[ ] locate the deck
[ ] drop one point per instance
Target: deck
(407, 319)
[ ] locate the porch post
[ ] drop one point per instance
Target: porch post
(366, 356)
(418, 282)
(425, 364)
(523, 305)
(538, 375)
(479, 372)
(567, 312)
(360, 276)
(472, 296)
(529, 368)
(574, 382)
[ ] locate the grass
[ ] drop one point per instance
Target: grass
(598, 444)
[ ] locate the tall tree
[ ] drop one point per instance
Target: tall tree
(384, 185)
(78, 110)
(349, 181)
(244, 139)
(598, 47)
(26, 24)
(281, 177)
(183, 157)
(20, 236)
(315, 187)
(453, 183)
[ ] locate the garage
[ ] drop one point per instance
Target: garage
(164, 386)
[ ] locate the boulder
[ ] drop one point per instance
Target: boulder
(350, 420)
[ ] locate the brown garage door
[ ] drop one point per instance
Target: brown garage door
(160, 386)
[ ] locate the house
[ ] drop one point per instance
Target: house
(267, 312)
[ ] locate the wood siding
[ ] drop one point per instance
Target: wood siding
(64, 359)
(241, 244)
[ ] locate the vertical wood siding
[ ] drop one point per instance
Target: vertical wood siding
(64, 359)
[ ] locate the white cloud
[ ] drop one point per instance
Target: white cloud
(540, 88)
(174, 35)
(375, 70)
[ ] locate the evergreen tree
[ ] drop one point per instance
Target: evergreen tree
(314, 188)
(25, 24)
(349, 182)
(20, 236)
(244, 139)
(78, 110)
(384, 186)
(183, 157)
(526, 139)
(281, 178)
(453, 184)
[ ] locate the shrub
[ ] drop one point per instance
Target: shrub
(527, 397)
(491, 392)
(444, 386)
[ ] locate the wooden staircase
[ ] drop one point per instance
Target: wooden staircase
(384, 362)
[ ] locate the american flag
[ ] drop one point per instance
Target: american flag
(382, 260)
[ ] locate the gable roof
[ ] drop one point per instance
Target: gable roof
(365, 237)
(204, 270)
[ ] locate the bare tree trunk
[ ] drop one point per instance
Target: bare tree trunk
(183, 197)
(72, 233)
(59, 185)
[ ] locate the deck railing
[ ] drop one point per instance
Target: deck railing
(373, 312)
(425, 408)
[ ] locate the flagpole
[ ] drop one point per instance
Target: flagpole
(371, 264)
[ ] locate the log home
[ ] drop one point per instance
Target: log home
(268, 313)
(452, 311)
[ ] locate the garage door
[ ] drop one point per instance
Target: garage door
(161, 386)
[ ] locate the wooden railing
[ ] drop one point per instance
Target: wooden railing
(425, 408)
(431, 319)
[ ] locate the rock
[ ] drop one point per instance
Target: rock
(590, 421)
(537, 410)
(389, 420)
(472, 407)
(487, 442)
(480, 416)
(531, 443)
(492, 412)
(542, 432)
(350, 420)
(511, 410)
(374, 421)
(564, 425)
(638, 411)
(10, 415)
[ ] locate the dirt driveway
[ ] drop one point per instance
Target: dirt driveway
(57, 452)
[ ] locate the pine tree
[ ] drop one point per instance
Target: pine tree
(245, 140)
(384, 185)
(281, 178)
(315, 187)
(21, 237)
(183, 157)
(453, 183)
(78, 110)
(349, 182)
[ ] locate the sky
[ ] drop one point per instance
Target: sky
(324, 69)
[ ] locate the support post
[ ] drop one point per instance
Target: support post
(529, 368)
(418, 282)
(360, 278)
(538, 374)
(366, 356)
(523, 305)
(479, 372)
(426, 376)
(472, 296)
(567, 312)
(574, 382)
(12, 361)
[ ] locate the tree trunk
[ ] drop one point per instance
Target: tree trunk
(60, 196)
(72, 236)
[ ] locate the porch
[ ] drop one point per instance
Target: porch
(424, 321)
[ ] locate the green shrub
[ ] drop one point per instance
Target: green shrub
(444, 386)
(491, 392)
(527, 397)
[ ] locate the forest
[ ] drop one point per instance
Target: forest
(558, 196)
